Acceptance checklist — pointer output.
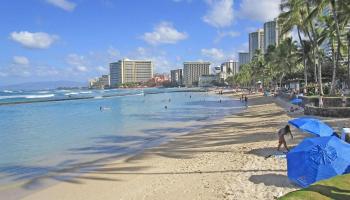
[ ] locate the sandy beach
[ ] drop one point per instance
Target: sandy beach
(223, 160)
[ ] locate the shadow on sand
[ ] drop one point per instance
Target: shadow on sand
(109, 147)
(277, 180)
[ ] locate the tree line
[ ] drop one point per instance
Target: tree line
(319, 56)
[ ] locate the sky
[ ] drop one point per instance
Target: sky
(75, 40)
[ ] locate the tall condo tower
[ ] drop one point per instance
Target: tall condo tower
(256, 41)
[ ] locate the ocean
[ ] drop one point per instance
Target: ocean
(50, 133)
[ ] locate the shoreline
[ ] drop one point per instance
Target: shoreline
(16, 187)
(201, 164)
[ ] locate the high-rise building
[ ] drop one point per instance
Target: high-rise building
(193, 70)
(229, 68)
(256, 41)
(243, 58)
(126, 71)
(176, 77)
(271, 33)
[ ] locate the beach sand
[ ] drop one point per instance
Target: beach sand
(223, 160)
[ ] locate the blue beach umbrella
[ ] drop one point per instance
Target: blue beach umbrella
(315, 159)
(296, 101)
(312, 125)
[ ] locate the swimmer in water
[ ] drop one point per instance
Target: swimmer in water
(166, 107)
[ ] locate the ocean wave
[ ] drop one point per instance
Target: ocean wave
(39, 96)
(72, 93)
(7, 91)
(12, 97)
(43, 92)
(27, 96)
(98, 97)
(87, 92)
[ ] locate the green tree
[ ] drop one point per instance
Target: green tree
(294, 14)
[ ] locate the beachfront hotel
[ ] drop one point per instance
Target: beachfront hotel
(193, 70)
(176, 77)
(243, 58)
(127, 71)
(256, 41)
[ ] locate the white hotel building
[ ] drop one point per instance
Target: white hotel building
(126, 71)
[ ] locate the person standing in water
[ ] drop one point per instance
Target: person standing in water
(246, 101)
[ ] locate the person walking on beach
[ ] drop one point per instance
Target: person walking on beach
(281, 140)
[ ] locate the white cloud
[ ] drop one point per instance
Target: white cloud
(38, 40)
(102, 69)
(20, 60)
(164, 33)
(81, 68)
(63, 4)
(223, 34)
(78, 62)
(220, 13)
(213, 54)
(260, 10)
(161, 62)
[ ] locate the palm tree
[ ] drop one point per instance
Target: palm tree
(244, 77)
(339, 10)
(295, 16)
(270, 68)
(257, 65)
(283, 60)
(328, 35)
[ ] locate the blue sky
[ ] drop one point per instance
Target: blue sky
(43, 40)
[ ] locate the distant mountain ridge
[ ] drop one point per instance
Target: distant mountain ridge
(44, 85)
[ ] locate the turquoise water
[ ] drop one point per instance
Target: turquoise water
(37, 139)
